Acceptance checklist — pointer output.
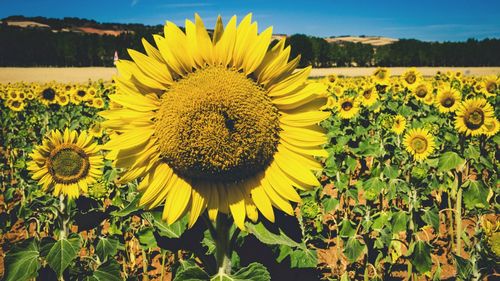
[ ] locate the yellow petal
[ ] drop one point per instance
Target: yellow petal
(198, 204)
(236, 202)
(177, 201)
(260, 198)
(295, 169)
(151, 67)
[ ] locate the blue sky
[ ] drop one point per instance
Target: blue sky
(438, 20)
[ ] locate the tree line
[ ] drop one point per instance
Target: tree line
(405, 52)
(45, 47)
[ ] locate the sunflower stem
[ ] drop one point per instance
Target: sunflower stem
(62, 209)
(222, 245)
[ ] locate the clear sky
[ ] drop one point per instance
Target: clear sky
(432, 20)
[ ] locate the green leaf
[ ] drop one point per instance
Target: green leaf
(373, 187)
(303, 258)
(475, 195)
(189, 271)
(62, 254)
(347, 229)
(147, 238)
(399, 221)
(107, 247)
(21, 263)
(351, 163)
(300, 255)
(353, 249)
(464, 268)
(431, 217)
(267, 237)
(381, 221)
(421, 257)
(108, 271)
(174, 230)
(329, 204)
(391, 172)
(450, 160)
(253, 272)
(130, 208)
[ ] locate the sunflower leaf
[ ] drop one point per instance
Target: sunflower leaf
(22, 263)
(450, 160)
(62, 253)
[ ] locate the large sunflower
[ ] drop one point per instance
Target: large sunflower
(419, 143)
(66, 163)
(447, 100)
(347, 107)
(216, 122)
(472, 114)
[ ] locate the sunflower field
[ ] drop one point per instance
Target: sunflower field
(216, 160)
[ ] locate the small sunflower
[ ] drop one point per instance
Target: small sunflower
(347, 107)
(398, 124)
(472, 114)
(369, 95)
(411, 78)
(82, 94)
(492, 127)
(98, 103)
(15, 105)
(96, 130)
(381, 76)
(48, 96)
(219, 123)
(490, 85)
(447, 100)
(66, 163)
(419, 143)
(422, 90)
(62, 99)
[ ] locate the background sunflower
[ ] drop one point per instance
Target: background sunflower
(66, 163)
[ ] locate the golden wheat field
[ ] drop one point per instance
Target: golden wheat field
(82, 74)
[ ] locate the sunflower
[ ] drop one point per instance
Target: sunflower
(369, 95)
(491, 127)
(66, 163)
(337, 90)
(48, 96)
(411, 78)
(422, 90)
(96, 130)
(398, 124)
(347, 107)
(381, 76)
(81, 94)
(490, 85)
(429, 99)
(62, 99)
(15, 105)
(419, 143)
(97, 102)
(447, 100)
(332, 78)
(472, 115)
(216, 122)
